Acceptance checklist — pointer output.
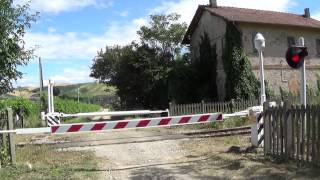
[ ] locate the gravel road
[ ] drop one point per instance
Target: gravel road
(153, 154)
(140, 154)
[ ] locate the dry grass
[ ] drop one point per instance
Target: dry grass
(47, 162)
(223, 164)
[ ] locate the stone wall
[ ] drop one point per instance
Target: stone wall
(277, 72)
(215, 27)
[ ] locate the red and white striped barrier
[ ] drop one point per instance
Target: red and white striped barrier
(137, 123)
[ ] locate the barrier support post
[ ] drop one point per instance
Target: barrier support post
(12, 149)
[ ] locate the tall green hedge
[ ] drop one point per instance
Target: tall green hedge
(241, 83)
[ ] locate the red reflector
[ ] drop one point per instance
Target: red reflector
(295, 58)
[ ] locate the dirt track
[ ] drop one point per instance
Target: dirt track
(156, 155)
(137, 154)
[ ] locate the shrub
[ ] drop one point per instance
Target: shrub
(31, 110)
(72, 107)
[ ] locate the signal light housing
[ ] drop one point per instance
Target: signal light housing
(295, 56)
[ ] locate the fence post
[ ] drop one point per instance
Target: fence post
(11, 136)
(267, 130)
(231, 105)
(202, 107)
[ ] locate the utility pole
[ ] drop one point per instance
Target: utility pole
(41, 98)
(78, 94)
(40, 76)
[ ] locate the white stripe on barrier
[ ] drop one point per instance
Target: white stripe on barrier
(117, 113)
(136, 123)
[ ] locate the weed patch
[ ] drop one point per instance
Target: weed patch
(45, 162)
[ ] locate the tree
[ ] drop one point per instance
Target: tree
(56, 91)
(244, 83)
(240, 80)
(206, 71)
(137, 72)
(140, 71)
(164, 33)
(14, 20)
(181, 81)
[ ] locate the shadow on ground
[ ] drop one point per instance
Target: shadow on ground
(225, 166)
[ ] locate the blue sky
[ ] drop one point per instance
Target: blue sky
(70, 32)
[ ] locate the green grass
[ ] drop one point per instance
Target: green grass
(87, 90)
(227, 123)
(44, 162)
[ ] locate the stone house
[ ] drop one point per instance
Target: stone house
(280, 30)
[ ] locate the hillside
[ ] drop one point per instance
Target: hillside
(86, 91)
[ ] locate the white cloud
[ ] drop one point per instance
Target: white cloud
(124, 13)
(66, 76)
(74, 45)
(51, 30)
(26, 81)
(57, 6)
(316, 16)
(71, 75)
(187, 8)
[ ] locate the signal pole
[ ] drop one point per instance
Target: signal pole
(260, 44)
(303, 86)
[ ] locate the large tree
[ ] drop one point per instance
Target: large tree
(14, 20)
(140, 71)
(164, 32)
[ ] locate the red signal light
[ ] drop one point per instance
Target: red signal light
(295, 56)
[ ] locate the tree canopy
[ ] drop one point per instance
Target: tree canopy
(164, 33)
(140, 71)
(14, 20)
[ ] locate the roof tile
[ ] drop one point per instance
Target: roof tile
(262, 16)
(252, 16)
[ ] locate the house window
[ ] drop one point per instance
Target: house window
(318, 46)
(291, 41)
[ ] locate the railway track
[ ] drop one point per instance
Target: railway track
(246, 130)
(222, 132)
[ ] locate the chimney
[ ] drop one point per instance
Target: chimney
(306, 13)
(213, 3)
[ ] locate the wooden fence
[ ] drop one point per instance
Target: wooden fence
(7, 144)
(211, 107)
(293, 133)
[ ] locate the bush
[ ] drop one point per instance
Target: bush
(31, 110)
(72, 107)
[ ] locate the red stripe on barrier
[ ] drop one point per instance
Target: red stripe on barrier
(54, 128)
(121, 125)
(98, 127)
(143, 123)
(75, 128)
(204, 118)
(164, 121)
(220, 117)
(184, 120)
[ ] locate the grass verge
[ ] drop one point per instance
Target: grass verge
(44, 162)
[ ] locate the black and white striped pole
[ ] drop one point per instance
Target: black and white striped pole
(256, 129)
